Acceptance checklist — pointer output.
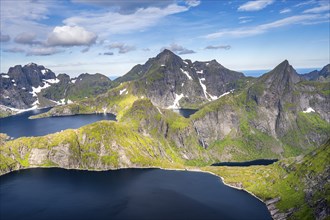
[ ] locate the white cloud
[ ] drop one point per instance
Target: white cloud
(71, 36)
(108, 23)
(122, 48)
(178, 49)
(305, 3)
(26, 38)
(193, 3)
(4, 37)
(323, 6)
(245, 21)
(14, 50)
(255, 30)
(285, 10)
(24, 16)
(124, 6)
(107, 53)
(85, 50)
(43, 51)
(211, 47)
(256, 5)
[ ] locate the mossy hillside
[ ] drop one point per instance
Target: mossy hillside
(291, 180)
(116, 101)
(246, 141)
(85, 85)
(310, 128)
(170, 128)
(101, 145)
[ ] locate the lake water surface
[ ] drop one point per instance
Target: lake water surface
(260, 162)
(185, 112)
(20, 125)
(123, 194)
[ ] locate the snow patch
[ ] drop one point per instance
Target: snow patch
(207, 64)
(13, 80)
(122, 91)
(185, 62)
(52, 81)
(23, 88)
(17, 110)
(176, 104)
(309, 110)
(207, 95)
(38, 89)
(186, 73)
(226, 93)
(69, 101)
(159, 110)
(15, 84)
(182, 84)
(5, 76)
(200, 71)
(73, 80)
(163, 65)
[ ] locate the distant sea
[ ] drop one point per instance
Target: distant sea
(113, 77)
(256, 73)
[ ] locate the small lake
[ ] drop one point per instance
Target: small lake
(123, 194)
(263, 162)
(20, 125)
(185, 112)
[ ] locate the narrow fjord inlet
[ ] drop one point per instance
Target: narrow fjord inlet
(171, 109)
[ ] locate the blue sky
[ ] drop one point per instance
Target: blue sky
(110, 37)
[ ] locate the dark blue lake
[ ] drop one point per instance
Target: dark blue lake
(123, 194)
(263, 162)
(185, 112)
(20, 125)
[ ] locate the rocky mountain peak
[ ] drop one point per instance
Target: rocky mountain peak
(283, 76)
(168, 57)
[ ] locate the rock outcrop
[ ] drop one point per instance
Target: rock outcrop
(170, 82)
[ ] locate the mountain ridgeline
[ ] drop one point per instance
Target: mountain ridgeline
(171, 82)
(278, 115)
(34, 86)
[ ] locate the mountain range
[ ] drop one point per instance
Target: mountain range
(34, 86)
(280, 114)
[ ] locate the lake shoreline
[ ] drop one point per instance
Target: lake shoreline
(149, 167)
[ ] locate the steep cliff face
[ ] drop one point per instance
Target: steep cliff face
(171, 82)
(20, 86)
(276, 114)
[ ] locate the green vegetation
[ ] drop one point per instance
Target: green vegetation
(300, 183)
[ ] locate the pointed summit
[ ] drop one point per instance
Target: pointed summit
(283, 75)
(167, 55)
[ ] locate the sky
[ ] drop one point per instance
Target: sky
(111, 36)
